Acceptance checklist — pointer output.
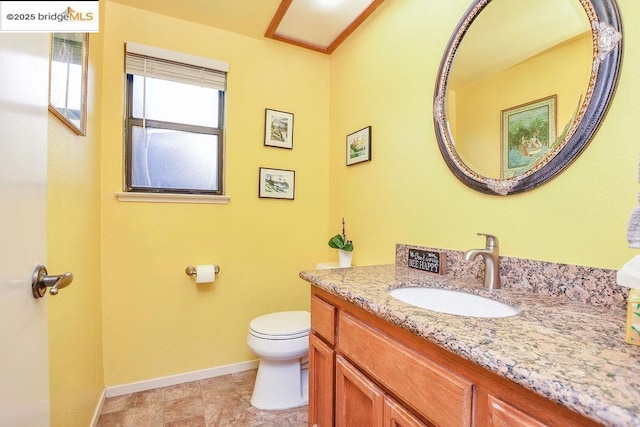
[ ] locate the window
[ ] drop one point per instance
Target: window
(174, 122)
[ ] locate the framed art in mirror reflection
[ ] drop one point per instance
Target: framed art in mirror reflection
(528, 133)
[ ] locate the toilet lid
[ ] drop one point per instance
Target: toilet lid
(284, 324)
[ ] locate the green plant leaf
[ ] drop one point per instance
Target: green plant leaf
(336, 242)
(348, 247)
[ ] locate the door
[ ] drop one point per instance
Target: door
(358, 401)
(24, 371)
(321, 373)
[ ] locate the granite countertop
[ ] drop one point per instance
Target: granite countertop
(569, 352)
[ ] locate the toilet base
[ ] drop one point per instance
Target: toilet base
(280, 384)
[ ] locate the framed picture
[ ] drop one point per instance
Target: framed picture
(359, 146)
(277, 184)
(278, 129)
(527, 131)
(68, 79)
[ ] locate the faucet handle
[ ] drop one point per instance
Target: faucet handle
(491, 240)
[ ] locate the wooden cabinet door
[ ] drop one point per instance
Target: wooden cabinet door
(503, 407)
(358, 401)
(397, 416)
(321, 373)
(501, 414)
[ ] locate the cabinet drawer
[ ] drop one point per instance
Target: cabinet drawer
(323, 319)
(439, 395)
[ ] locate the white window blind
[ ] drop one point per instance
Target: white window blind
(168, 65)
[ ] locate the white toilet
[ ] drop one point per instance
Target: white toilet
(281, 340)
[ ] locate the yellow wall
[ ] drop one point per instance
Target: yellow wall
(129, 282)
(73, 244)
(157, 322)
(384, 77)
(479, 106)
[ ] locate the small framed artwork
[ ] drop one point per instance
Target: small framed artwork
(278, 129)
(277, 184)
(68, 79)
(528, 133)
(359, 146)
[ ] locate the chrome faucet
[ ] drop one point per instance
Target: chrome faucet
(491, 261)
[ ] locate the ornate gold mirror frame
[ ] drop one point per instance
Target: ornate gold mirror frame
(606, 32)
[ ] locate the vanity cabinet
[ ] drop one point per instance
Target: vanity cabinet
(364, 370)
(359, 402)
(438, 394)
(321, 380)
(321, 363)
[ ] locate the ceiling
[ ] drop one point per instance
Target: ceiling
(320, 25)
(493, 44)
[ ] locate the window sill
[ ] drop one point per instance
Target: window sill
(172, 198)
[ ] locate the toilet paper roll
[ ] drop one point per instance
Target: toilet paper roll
(205, 273)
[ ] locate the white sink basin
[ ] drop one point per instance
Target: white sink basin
(453, 302)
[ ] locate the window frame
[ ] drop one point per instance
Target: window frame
(131, 121)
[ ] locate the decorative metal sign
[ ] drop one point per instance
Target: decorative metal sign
(430, 261)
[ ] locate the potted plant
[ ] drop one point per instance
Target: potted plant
(344, 247)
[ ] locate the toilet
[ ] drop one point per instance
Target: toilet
(281, 341)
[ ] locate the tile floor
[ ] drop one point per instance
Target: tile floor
(219, 401)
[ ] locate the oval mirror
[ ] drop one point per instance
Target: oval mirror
(522, 88)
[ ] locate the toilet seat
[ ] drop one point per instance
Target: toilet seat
(284, 325)
(278, 337)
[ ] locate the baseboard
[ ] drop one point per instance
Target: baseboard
(119, 390)
(96, 414)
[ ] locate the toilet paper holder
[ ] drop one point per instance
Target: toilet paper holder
(191, 270)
